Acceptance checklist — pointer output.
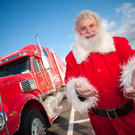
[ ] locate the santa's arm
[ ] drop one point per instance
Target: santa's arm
(128, 77)
(127, 58)
(72, 77)
(73, 97)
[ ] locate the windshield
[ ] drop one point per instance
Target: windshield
(15, 67)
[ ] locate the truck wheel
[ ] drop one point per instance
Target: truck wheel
(33, 123)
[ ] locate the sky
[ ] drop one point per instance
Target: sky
(52, 21)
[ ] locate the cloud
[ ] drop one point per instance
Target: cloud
(107, 25)
(128, 23)
(128, 10)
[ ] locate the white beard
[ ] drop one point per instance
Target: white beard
(102, 42)
(90, 44)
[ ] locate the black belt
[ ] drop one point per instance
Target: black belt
(115, 112)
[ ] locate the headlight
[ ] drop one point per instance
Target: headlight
(2, 121)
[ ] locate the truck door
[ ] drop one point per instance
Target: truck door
(41, 76)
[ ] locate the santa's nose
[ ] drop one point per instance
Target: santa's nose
(88, 30)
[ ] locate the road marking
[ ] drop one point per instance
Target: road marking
(72, 122)
(80, 121)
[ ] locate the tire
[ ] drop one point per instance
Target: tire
(33, 123)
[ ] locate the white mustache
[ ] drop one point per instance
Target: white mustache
(90, 34)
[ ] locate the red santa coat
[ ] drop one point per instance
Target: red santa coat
(104, 72)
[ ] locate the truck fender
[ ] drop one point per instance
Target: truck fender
(18, 105)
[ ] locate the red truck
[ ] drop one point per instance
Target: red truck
(31, 80)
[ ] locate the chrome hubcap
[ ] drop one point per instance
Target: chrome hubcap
(37, 127)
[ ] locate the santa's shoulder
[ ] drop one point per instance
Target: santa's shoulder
(119, 40)
(70, 56)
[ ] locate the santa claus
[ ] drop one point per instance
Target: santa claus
(100, 77)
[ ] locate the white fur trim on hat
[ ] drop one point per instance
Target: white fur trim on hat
(126, 74)
(81, 106)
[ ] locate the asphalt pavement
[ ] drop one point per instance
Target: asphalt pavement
(70, 122)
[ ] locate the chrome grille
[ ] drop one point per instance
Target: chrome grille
(25, 85)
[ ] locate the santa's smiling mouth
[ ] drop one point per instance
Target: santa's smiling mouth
(89, 36)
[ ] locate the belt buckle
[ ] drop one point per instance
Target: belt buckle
(109, 112)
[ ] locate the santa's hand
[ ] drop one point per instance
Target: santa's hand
(129, 93)
(84, 91)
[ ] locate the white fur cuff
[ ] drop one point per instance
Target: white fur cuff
(81, 106)
(127, 71)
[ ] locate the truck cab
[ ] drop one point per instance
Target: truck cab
(30, 93)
